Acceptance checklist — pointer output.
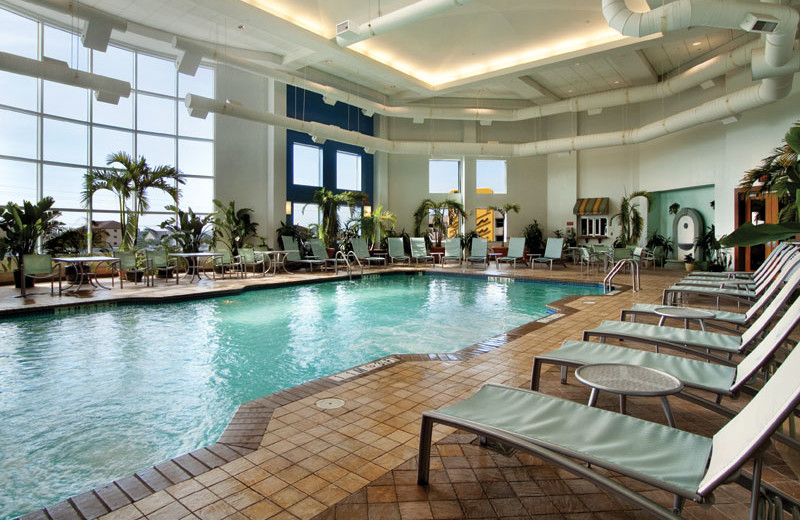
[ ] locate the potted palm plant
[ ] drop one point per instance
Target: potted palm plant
(130, 182)
(22, 227)
(453, 208)
(329, 203)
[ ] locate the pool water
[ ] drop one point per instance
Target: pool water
(94, 396)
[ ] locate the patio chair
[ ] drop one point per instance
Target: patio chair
(157, 261)
(397, 252)
(247, 260)
(516, 250)
(579, 439)
(40, 268)
(320, 252)
(362, 253)
(290, 244)
(552, 253)
(419, 252)
(695, 374)
(588, 258)
(697, 342)
(128, 263)
(477, 251)
(226, 263)
(452, 250)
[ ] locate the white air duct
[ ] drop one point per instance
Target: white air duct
(108, 90)
(99, 25)
(718, 109)
(347, 34)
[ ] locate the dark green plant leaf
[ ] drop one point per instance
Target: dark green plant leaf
(749, 235)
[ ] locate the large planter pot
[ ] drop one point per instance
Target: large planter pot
(134, 276)
(501, 250)
(689, 267)
(164, 273)
(331, 252)
(437, 249)
(18, 282)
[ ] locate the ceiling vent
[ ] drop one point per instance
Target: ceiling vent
(759, 23)
(346, 30)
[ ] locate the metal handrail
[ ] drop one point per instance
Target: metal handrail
(635, 278)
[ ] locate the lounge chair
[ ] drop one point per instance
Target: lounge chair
(477, 251)
(721, 319)
(40, 268)
(737, 295)
(697, 342)
(552, 253)
(419, 252)
(293, 254)
(452, 250)
(780, 250)
(362, 253)
(571, 435)
(694, 374)
(778, 263)
(320, 252)
(397, 251)
(516, 250)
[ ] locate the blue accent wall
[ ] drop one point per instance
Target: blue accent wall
(308, 106)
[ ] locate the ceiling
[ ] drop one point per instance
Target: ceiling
(491, 53)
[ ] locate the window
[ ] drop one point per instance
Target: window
(78, 132)
(346, 214)
(443, 176)
(348, 171)
(490, 175)
(593, 226)
(305, 214)
(307, 169)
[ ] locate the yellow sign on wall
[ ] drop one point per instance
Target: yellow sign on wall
(484, 223)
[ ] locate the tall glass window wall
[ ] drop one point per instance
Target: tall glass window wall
(50, 133)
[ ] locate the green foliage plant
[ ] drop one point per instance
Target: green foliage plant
(130, 182)
(659, 240)
(630, 219)
(328, 203)
(421, 214)
(534, 237)
(377, 225)
(23, 226)
(779, 173)
(233, 227)
(188, 230)
(504, 210)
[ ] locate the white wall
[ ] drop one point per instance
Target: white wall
(250, 162)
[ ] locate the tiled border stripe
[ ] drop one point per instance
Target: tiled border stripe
(248, 426)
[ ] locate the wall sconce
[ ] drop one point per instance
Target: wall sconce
(288, 207)
(367, 211)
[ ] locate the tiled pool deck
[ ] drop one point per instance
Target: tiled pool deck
(282, 457)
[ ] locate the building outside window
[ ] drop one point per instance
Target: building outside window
(307, 170)
(79, 132)
(348, 171)
(443, 176)
(490, 175)
(305, 215)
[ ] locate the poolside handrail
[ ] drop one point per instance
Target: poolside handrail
(635, 280)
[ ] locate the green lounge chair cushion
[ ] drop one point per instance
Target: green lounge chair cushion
(736, 318)
(692, 372)
(648, 333)
(665, 454)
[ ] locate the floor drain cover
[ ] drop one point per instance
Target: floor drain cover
(330, 404)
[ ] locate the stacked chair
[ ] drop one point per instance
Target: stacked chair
(754, 357)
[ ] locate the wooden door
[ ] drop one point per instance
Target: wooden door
(759, 209)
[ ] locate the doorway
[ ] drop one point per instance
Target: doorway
(756, 208)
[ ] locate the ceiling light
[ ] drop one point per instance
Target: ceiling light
(697, 44)
(419, 120)
(594, 111)
(729, 120)
(241, 27)
(707, 84)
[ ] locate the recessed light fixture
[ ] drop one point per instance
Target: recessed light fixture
(616, 82)
(569, 91)
(241, 27)
(697, 44)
